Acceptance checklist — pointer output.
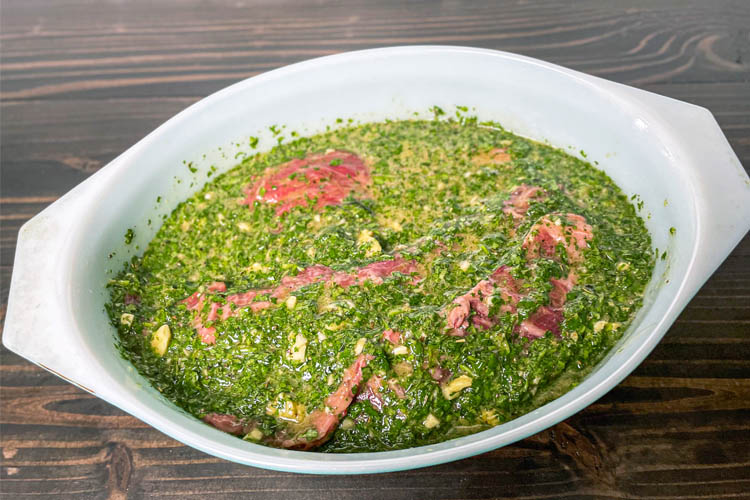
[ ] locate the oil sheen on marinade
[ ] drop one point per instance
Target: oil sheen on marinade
(383, 286)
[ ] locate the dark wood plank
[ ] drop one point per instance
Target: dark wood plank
(81, 81)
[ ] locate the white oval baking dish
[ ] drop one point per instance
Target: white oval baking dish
(672, 154)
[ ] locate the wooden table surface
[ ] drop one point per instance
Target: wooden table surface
(82, 81)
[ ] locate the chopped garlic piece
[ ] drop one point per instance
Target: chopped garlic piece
(160, 339)
(291, 301)
(599, 326)
(464, 265)
(366, 238)
(403, 369)
(431, 421)
(286, 409)
(395, 225)
(270, 408)
(208, 196)
(257, 266)
(489, 417)
(400, 350)
(359, 346)
(321, 336)
(289, 411)
(298, 349)
(255, 434)
(452, 388)
(126, 319)
(244, 227)
(347, 424)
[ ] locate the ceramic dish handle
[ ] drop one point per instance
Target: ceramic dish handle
(39, 325)
(722, 190)
(722, 186)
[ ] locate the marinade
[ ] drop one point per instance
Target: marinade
(384, 285)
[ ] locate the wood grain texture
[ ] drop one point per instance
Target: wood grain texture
(82, 80)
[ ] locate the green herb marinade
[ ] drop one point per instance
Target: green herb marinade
(436, 197)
